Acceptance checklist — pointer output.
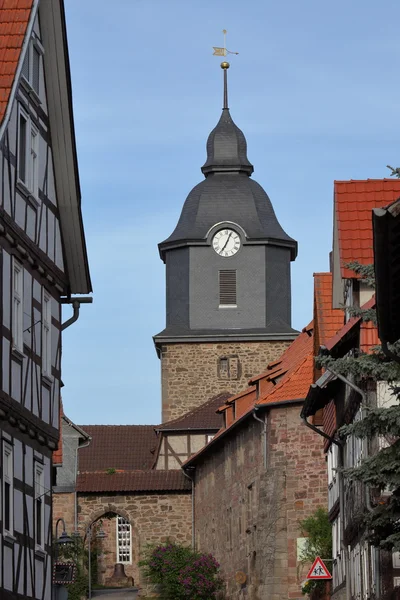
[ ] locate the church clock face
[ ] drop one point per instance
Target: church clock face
(226, 242)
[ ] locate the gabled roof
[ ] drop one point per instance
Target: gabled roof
(16, 22)
(133, 481)
(204, 416)
(354, 202)
(120, 447)
(327, 320)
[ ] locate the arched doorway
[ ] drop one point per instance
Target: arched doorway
(111, 544)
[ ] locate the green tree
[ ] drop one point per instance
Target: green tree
(318, 530)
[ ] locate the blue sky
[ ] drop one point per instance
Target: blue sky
(315, 89)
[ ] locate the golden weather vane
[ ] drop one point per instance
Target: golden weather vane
(222, 51)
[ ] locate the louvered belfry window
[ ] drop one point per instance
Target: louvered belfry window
(227, 287)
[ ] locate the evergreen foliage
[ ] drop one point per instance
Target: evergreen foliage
(381, 427)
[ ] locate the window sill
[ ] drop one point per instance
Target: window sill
(47, 379)
(21, 187)
(227, 306)
(9, 538)
(33, 95)
(17, 353)
(40, 552)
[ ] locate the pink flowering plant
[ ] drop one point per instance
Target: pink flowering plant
(182, 573)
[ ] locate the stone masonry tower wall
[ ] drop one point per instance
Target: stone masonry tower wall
(228, 288)
(193, 372)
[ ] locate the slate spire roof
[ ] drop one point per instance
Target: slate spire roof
(227, 148)
(228, 194)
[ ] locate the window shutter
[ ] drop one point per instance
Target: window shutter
(25, 66)
(227, 288)
(22, 148)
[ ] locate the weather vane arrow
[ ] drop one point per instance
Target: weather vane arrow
(222, 51)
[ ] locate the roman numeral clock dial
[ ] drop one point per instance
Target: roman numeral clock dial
(226, 242)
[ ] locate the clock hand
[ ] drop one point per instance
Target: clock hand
(229, 237)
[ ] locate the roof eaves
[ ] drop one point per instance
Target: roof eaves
(343, 333)
(279, 403)
(318, 395)
(219, 436)
(85, 435)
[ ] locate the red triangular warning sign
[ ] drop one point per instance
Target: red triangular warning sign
(318, 570)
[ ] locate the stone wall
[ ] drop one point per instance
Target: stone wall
(154, 518)
(63, 506)
(191, 373)
(247, 515)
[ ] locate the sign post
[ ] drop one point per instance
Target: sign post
(318, 570)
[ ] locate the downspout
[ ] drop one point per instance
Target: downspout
(264, 436)
(193, 519)
(339, 444)
(340, 476)
(76, 304)
(85, 445)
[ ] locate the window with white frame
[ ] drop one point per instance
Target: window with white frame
(17, 306)
(32, 64)
(333, 487)
(46, 334)
(8, 489)
(124, 541)
(39, 505)
(28, 150)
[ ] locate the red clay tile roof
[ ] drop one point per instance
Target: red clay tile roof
(327, 320)
(133, 481)
(126, 447)
(298, 362)
(368, 337)
(14, 18)
(289, 361)
(297, 383)
(58, 454)
(204, 416)
(298, 365)
(354, 201)
(367, 341)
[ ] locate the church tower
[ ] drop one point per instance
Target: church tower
(228, 295)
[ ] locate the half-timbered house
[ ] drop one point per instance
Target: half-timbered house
(43, 264)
